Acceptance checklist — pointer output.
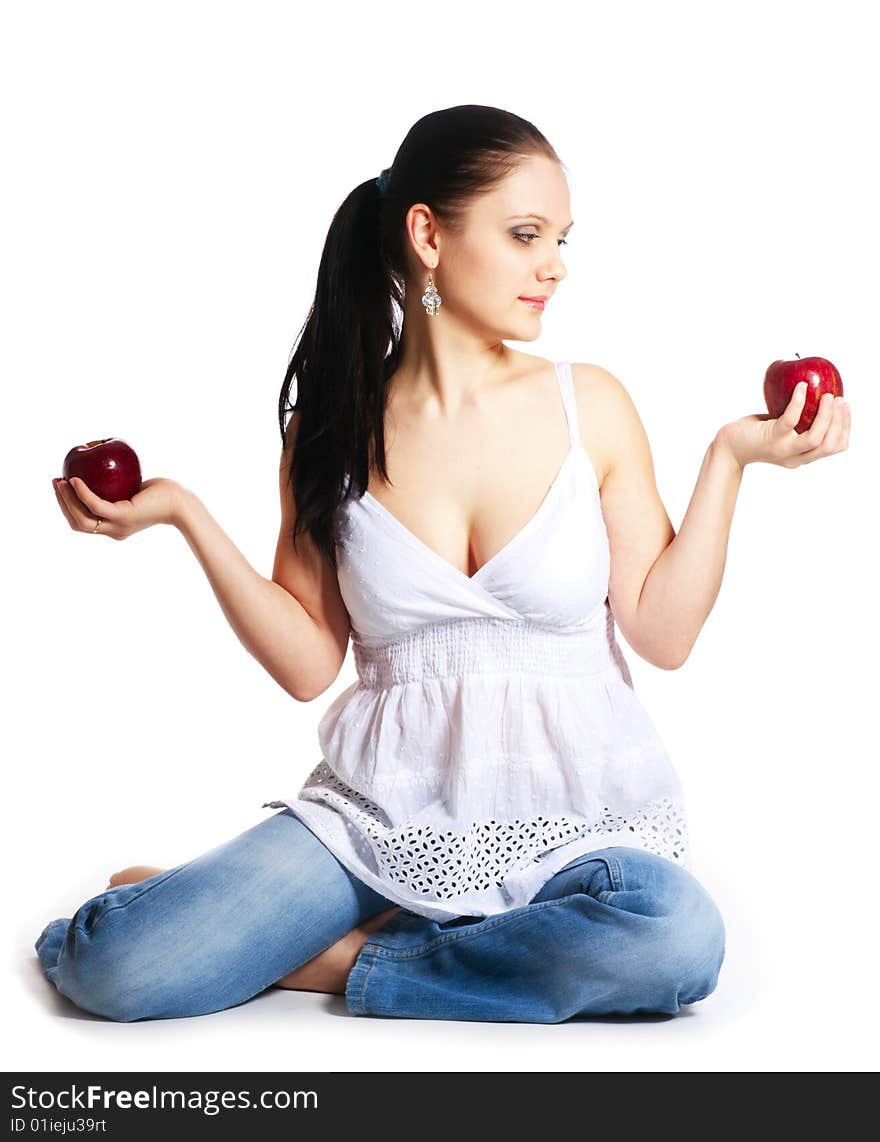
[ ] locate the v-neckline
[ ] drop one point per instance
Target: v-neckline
(575, 448)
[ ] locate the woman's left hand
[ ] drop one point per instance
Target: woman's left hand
(774, 441)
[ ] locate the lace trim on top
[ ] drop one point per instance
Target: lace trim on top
(446, 864)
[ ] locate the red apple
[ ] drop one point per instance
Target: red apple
(782, 376)
(109, 467)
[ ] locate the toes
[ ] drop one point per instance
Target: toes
(133, 874)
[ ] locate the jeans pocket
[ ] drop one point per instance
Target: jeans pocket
(612, 868)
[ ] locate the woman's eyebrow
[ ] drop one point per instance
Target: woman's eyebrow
(540, 218)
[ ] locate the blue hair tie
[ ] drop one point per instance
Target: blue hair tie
(382, 180)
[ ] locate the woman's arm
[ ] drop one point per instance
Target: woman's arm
(681, 587)
(271, 624)
(683, 584)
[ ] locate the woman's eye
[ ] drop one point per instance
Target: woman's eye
(525, 237)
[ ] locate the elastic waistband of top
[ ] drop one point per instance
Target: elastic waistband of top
(485, 646)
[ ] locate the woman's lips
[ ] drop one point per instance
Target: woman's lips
(533, 304)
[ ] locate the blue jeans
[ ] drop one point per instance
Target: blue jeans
(616, 931)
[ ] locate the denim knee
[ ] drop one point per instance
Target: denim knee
(684, 943)
(90, 970)
(694, 941)
(106, 966)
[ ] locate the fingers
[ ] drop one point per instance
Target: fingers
(836, 438)
(63, 502)
(78, 515)
(815, 434)
(845, 423)
(100, 509)
(794, 408)
(829, 432)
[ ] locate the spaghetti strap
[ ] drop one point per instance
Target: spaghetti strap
(566, 386)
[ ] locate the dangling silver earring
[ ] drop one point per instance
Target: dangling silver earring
(431, 300)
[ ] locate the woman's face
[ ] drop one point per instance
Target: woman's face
(502, 254)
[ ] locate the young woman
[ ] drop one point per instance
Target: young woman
(494, 831)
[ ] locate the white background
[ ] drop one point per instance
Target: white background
(171, 171)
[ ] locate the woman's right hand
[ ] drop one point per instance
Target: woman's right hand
(156, 502)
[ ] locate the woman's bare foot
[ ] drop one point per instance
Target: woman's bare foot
(329, 970)
(133, 874)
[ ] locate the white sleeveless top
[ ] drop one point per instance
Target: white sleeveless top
(493, 734)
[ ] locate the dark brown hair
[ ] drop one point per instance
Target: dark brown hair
(349, 345)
